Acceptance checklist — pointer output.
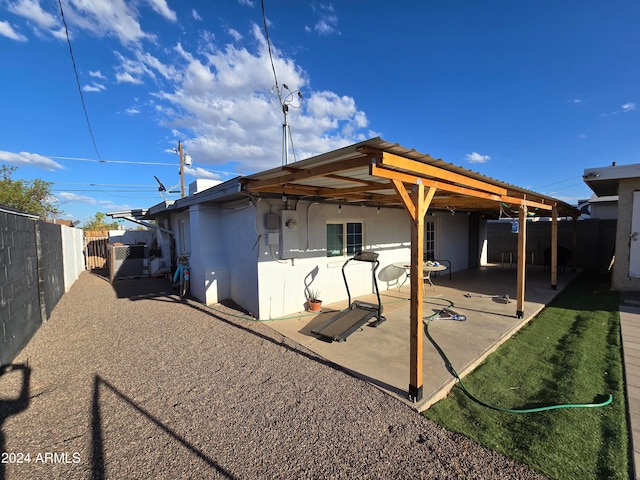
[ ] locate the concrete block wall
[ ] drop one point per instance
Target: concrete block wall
(20, 315)
(36, 268)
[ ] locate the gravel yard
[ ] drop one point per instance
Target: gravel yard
(126, 381)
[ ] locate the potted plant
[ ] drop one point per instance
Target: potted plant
(313, 300)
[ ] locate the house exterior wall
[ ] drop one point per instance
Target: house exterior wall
(209, 274)
(283, 282)
(620, 279)
(452, 242)
(247, 252)
(241, 255)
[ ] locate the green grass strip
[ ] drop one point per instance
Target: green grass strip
(570, 353)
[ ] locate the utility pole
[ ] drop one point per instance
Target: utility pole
(181, 169)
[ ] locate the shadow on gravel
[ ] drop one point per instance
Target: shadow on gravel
(306, 354)
(13, 406)
(160, 289)
(97, 434)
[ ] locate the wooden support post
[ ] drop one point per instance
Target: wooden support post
(574, 245)
(522, 260)
(417, 296)
(416, 205)
(554, 248)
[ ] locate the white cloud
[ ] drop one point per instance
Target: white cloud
(32, 159)
(161, 7)
(576, 101)
(327, 22)
(475, 157)
(103, 18)
(216, 98)
(223, 99)
(69, 197)
(627, 107)
(237, 36)
(94, 87)
(195, 14)
(6, 30)
(199, 172)
(31, 10)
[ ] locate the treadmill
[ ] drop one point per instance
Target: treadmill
(343, 324)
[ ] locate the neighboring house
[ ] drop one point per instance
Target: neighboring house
(622, 181)
(603, 208)
(266, 239)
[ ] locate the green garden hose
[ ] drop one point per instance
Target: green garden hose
(452, 370)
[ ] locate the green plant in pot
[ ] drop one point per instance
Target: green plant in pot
(313, 299)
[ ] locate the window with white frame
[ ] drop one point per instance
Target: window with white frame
(430, 240)
(344, 238)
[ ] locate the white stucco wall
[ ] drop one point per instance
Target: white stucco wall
(223, 254)
(241, 254)
(72, 246)
(283, 282)
(268, 270)
(208, 260)
(452, 241)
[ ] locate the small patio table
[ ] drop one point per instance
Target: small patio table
(427, 269)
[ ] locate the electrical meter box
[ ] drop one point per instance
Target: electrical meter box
(290, 234)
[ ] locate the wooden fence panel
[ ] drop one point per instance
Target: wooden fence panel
(96, 246)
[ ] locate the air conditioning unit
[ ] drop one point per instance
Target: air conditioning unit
(128, 261)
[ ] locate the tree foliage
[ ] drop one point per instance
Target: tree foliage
(99, 222)
(31, 196)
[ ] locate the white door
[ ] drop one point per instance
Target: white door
(634, 240)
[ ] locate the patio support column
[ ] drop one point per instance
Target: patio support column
(554, 248)
(574, 245)
(522, 260)
(416, 204)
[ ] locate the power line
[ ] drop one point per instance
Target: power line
(559, 181)
(75, 71)
(130, 162)
(102, 191)
(79, 159)
(105, 184)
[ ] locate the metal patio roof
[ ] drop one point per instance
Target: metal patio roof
(359, 174)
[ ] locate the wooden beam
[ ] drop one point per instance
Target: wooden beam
(528, 202)
(329, 192)
(522, 261)
(406, 199)
(425, 170)
(300, 174)
(383, 172)
(554, 249)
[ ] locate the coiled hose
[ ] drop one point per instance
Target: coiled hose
(452, 370)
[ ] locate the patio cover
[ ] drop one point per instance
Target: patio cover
(378, 173)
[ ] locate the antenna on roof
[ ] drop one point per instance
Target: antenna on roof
(162, 189)
(292, 99)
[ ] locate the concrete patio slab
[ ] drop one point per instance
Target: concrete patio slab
(381, 355)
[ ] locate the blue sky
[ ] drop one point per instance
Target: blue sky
(530, 93)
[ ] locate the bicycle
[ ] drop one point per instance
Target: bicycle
(181, 275)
